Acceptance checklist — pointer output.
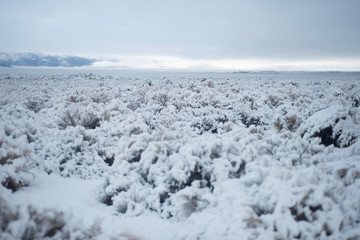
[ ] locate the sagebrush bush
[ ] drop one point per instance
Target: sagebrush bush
(35, 103)
(75, 97)
(16, 159)
(90, 121)
(87, 119)
(292, 122)
(100, 98)
(162, 99)
(69, 118)
(333, 128)
(278, 124)
(250, 120)
(28, 222)
(273, 101)
(210, 84)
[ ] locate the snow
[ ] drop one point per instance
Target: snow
(169, 155)
(79, 197)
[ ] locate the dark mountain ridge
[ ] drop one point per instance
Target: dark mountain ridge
(38, 59)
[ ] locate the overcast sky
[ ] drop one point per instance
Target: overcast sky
(197, 31)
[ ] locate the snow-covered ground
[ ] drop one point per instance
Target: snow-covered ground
(179, 155)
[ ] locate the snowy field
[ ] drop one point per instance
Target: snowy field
(164, 155)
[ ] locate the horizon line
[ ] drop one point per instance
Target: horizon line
(177, 63)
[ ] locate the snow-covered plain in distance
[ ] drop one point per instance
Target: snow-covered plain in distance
(178, 155)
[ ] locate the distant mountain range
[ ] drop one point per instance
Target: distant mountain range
(38, 59)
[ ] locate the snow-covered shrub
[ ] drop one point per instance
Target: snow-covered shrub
(301, 203)
(291, 122)
(69, 119)
(250, 120)
(273, 101)
(278, 124)
(100, 98)
(16, 158)
(76, 97)
(233, 156)
(133, 106)
(76, 151)
(87, 119)
(90, 121)
(169, 176)
(28, 222)
(212, 124)
(334, 125)
(355, 101)
(36, 104)
(210, 84)
(162, 99)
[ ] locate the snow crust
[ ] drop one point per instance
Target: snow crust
(180, 157)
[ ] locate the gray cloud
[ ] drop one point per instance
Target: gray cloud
(278, 29)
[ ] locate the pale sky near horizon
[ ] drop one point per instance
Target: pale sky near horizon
(281, 33)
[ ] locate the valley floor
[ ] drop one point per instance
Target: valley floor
(179, 155)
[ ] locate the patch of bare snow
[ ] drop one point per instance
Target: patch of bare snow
(81, 198)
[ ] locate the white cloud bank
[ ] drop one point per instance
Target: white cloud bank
(178, 63)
